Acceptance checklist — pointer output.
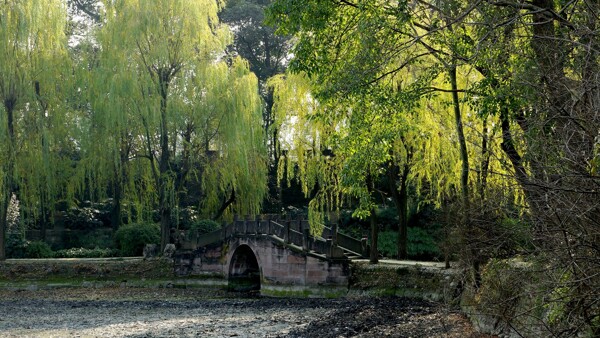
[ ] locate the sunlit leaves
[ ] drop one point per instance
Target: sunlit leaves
(162, 77)
(33, 74)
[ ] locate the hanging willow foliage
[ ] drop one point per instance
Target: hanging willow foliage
(165, 109)
(32, 67)
(234, 103)
(365, 132)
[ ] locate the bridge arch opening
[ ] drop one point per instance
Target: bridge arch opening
(244, 272)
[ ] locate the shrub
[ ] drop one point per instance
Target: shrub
(86, 253)
(386, 243)
(387, 218)
(98, 238)
(421, 244)
(16, 245)
(132, 238)
(515, 236)
(83, 218)
(205, 226)
(184, 217)
(38, 249)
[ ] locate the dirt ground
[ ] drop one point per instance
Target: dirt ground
(146, 312)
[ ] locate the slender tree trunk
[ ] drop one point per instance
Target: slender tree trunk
(44, 193)
(226, 203)
(403, 229)
(485, 161)
(374, 253)
(464, 155)
(186, 154)
(400, 198)
(446, 234)
(3, 224)
(44, 219)
(468, 233)
(164, 180)
(115, 217)
(9, 185)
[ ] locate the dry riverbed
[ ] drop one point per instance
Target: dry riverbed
(162, 312)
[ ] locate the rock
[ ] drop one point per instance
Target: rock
(150, 251)
(169, 250)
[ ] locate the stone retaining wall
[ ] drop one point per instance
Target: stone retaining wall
(408, 279)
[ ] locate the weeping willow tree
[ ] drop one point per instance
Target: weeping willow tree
(360, 74)
(229, 126)
(385, 100)
(32, 39)
(177, 105)
(111, 131)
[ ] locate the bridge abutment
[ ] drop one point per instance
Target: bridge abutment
(277, 257)
(262, 263)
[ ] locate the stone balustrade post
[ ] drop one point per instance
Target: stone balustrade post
(286, 231)
(268, 229)
(247, 225)
(334, 233)
(329, 253)
(364, 247)
(306, 239)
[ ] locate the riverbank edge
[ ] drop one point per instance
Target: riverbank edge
(425, 280)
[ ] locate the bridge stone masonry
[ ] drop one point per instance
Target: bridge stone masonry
(273, 255)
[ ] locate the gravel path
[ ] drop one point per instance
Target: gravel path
(123, 312)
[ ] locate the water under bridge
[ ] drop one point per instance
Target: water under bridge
(272, 254)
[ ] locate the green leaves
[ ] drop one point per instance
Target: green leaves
(160, 75)
(32, 80)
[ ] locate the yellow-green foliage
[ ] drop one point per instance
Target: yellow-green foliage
(132, 238)
(384, 97)
(33, 71)
(212, 114)
(366, 132)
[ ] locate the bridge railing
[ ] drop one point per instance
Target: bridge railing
(292, 231)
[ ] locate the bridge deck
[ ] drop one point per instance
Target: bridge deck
(330, 245)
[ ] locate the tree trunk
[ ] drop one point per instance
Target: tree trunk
(9, 170)
(44, 219)
(400, 198)
(164, 180)
(115, 217)
(374, 253)
(44, 193)
(468, 233)
(403, 226)
(464, 156)
(3, 226)
(485, 161)
(226, 203)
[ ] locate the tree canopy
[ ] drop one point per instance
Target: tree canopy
(515, 77)
(147, 108)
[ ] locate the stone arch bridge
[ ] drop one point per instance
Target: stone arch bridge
(274, 255)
